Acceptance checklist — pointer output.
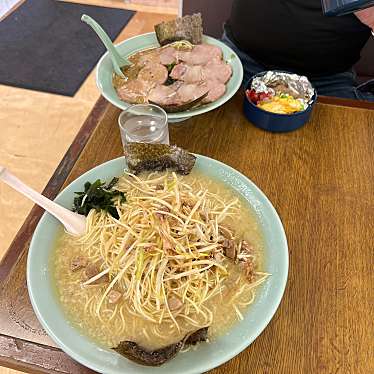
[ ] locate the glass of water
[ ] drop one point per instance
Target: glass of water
(144, 123)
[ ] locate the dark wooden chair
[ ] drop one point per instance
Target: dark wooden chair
(215, 13)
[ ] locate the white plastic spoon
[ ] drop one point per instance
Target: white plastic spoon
(74, 223)
(117, 60)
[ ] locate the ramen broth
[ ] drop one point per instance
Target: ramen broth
(112, 328)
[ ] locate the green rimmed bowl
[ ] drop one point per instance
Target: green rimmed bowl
(207, 356)
(104, 73)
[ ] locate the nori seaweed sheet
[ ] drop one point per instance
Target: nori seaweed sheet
(158, 157)
(183, 28)
(140, 355)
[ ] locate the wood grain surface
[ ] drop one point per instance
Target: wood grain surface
(37, 128)
(320, 180)
(345, 102)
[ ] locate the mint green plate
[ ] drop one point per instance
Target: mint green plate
(104, 73)
(207, 355)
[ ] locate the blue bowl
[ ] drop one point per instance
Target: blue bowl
(275, 122)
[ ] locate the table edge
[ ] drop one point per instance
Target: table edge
(339, 101)
(16, 345)
(53, 186)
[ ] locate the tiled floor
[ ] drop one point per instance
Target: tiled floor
(37, 128)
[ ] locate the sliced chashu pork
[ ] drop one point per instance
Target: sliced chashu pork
(203, 73)
(218, 73)
(218, 69)
(188, 92)
(164, 95)
(179, 96)
(188, 73)
(146, 56)
(215, 74)
(168, 56)
(155, 73)
(215, 69)
(136, 90)
(200, 54)
(215, 91)
(164, 56)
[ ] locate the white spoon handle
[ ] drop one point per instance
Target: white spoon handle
(73, 222)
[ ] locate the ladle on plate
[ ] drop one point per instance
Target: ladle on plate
(117, 60)
(74, 223)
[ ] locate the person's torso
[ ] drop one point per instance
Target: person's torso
(295, 35)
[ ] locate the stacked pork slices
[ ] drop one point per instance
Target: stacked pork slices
(178, 79)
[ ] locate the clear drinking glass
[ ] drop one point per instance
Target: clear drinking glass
(144, 123)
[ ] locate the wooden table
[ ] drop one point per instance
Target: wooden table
(321, 181)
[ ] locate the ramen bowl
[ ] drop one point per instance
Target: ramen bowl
(105, 71)
(275, 122)
(205, 356)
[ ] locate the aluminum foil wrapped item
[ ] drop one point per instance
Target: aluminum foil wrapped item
(276, 83)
